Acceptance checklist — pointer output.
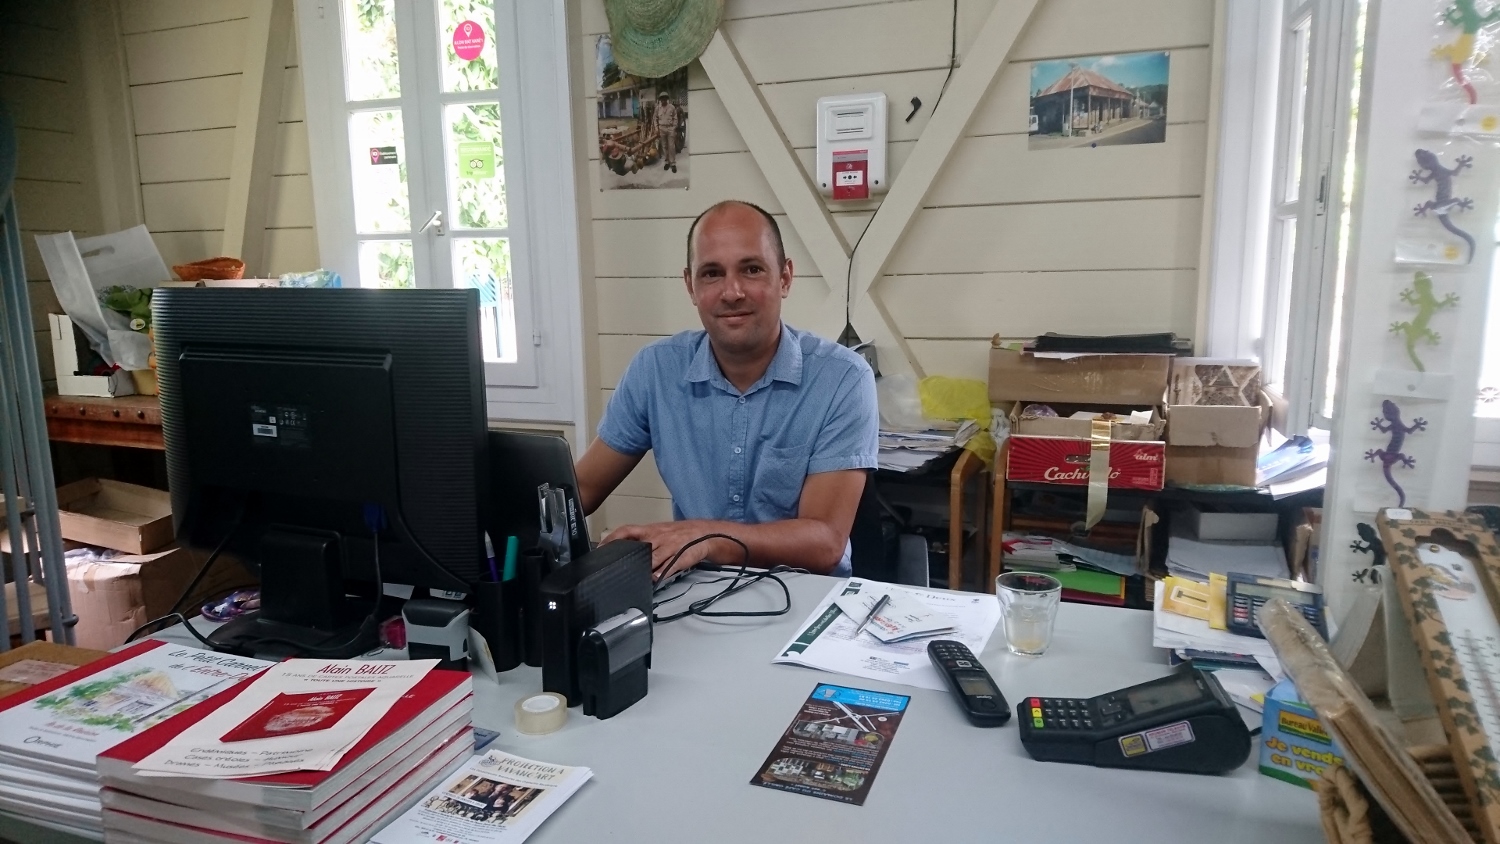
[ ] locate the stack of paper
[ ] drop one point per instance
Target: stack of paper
(901, 618)
(1195, 636)
(495, 797)
(1037, 552)
(1197, 559)
(368, 739)
(829, 639)
(905, 450)
(1293, 465)
(51, 732)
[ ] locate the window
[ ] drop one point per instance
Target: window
(1285, 185)
(1487, 402)
(419, 117)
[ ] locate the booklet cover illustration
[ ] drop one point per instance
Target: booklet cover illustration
(835, 745)
(289, 714)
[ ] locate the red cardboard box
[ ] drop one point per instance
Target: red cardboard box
(1065, 460)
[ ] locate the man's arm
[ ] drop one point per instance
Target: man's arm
(814, 540)
(599, 471)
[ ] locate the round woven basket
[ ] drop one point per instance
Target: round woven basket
(214, 268)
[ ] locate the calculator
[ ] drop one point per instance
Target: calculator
(1247, 592)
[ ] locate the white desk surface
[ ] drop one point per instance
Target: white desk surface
(676, 767)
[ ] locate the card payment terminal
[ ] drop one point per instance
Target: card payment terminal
(1184, 723)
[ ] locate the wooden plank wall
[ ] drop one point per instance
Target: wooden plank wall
(41, 86)
(184, 63)
(1008, 241)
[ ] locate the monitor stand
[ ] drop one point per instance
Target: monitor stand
(304, 611)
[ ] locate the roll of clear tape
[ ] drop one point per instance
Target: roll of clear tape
(541, 714)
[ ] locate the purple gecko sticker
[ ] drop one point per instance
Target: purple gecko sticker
(1389, 422)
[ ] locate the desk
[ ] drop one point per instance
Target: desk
(676, 767)
(131, 421)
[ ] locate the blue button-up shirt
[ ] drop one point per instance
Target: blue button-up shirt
(743, 457)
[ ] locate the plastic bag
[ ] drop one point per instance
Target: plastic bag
(81, 269)
(961, 400)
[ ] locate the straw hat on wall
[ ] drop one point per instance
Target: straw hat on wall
(652, 38)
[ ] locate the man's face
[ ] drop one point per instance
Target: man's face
(735, 280)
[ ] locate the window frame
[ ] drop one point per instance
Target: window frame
(535, 81)
(1284, 322)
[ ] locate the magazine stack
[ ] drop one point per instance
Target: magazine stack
(51, 732)
(308, 752)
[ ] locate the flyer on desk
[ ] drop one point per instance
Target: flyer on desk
(835, 745)
(495, 797)
(831, 640)
(299, 715)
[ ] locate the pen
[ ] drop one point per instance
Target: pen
(874, 611)
(489, 556)
(512, 549)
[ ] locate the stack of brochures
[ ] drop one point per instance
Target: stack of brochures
(495, 797)
(51, 732)
(364, 741)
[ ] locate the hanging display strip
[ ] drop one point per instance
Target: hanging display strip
(1447, 570)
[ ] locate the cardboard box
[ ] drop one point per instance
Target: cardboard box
(1065, 460)
(1063, 425)
(69, 346)
(1223, 426)
(1139, 380)
(1214, 445)
(1294, 746)
(111, 514)
(113, 598)
(1232, 527)
(1191, 466)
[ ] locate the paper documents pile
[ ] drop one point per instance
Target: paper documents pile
(830, 638)
(495, 797)
(1197, 559)
(1293, 465)
(310, 752)
(905, 450)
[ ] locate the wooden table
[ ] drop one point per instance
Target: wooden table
(130, 421)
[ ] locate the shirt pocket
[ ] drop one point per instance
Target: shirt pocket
(779, 475)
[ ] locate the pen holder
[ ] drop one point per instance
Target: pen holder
(497, 617)
(534, 570)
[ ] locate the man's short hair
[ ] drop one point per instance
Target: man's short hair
(765, 215)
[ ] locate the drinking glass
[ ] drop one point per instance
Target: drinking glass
(1028, 606)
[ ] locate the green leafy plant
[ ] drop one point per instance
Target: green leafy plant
(133, 302)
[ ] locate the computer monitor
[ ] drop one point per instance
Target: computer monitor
(332, 439)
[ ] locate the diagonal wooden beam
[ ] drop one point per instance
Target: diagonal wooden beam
(773, 154)
(269, 31)
(983, 61)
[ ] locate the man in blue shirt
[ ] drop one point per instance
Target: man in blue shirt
(761, 432)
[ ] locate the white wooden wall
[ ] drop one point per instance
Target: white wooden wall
(1008, 241)
(55, 190)
(185, 59)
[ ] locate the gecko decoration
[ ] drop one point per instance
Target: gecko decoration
(1464, 15)
(1430, 169)
(1389, 422)
(1369, 543)
(1417, 330)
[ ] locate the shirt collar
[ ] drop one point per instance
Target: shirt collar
(785, 366)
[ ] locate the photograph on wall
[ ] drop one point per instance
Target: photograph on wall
(1098, 101)
(642, 126)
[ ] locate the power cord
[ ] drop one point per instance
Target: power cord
(740, 579)
(952, 59)
(176, 611)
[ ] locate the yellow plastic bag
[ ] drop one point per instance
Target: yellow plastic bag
(960, 400)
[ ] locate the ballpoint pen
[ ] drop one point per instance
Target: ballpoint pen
(874, 611)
